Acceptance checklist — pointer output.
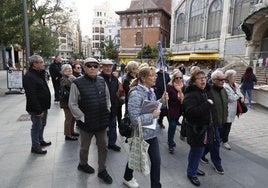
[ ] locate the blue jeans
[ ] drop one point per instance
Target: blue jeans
(112, 131)
(37, 131)
(249, 92)
(171, 131)
(214, 147)
(155, 158)
(194, 157)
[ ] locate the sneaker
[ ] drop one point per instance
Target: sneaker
(204, 160)
(105, 177)
(226, 145)
(131, 183)
(86, 168)
(218, 169)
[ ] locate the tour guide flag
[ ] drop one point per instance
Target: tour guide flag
(161, 64)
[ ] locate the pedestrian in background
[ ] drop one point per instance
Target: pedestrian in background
(221, 107)
(112, 83)
(198, 106)
(54, 70)
(142, 90)
(159, 89)
(176, 96)
(65, 85)
(247, 83)
(234, 94)
(89, 103)
(77, 69)
(37, 102)
(131, 73)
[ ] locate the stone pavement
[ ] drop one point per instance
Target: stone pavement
(246, 165)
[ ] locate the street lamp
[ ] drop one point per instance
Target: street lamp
(26, 33)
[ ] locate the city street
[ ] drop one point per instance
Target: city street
(246, 165)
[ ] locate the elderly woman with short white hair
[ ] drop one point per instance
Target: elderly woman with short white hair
(65, 85)
(234, 94)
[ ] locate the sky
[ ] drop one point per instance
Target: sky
(85, 10)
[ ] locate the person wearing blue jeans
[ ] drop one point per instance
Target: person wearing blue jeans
(221, 111)
(174, 89)
(194, 157)
(38, 99)
(248, 80)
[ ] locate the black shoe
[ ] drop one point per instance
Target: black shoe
(204, 160)
(38, 151)
(200, 172)
(86, 168)
(219, 169)
(44, 143)
(171, 149)
(194, 180)
(105, 177)
(75, 134)
(114, 147)
(71, 138)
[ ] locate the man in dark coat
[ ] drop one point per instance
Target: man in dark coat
(159, 89)
(89, 102)
(54, 70)
(221, 106)
(37, 101)
(112, 83)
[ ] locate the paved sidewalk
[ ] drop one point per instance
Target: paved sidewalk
(246, 165)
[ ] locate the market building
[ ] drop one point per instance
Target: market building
(216, 32)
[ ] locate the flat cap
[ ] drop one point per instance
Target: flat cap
(91, 60)
(106, 62)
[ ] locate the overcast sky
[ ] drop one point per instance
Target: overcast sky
(85, 10)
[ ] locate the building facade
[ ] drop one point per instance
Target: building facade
(213, 31)
(145, 22)
(103, 17)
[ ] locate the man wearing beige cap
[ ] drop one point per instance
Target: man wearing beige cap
(89, 102)
(112, 83)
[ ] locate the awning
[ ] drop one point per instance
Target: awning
(214, 56)
(180, 57)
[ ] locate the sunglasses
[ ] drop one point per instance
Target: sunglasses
(178, 78)
(78, 67)
(90, 66)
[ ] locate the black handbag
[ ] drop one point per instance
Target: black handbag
(125, 128)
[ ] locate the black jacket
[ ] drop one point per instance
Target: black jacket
(54, 70)
(38, 96)
(199, 114)
(112, 83)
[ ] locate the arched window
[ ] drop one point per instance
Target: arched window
(214, 20)
(195, 22)
(180, 28)
(128, 22)
(241, 11)
(138, 38)
(150, 21)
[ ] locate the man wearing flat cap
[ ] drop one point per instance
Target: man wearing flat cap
(89, 102)
(112, 83)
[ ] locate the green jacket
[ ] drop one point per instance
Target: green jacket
(221, 104)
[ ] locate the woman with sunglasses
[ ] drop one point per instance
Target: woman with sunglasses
(174, 89)
(77, 69)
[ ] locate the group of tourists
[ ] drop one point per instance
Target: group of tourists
(92, 95)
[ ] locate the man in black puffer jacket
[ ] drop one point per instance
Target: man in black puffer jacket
(89, 102)
(37, 101)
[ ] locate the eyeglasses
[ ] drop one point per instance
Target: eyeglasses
(220, 80)
(202, 78)
(178, 78)
(78, 67)
(90, 66)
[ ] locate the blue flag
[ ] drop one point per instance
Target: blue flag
(161, 64)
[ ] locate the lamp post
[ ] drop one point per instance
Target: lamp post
(142, 28)
(26, 33)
